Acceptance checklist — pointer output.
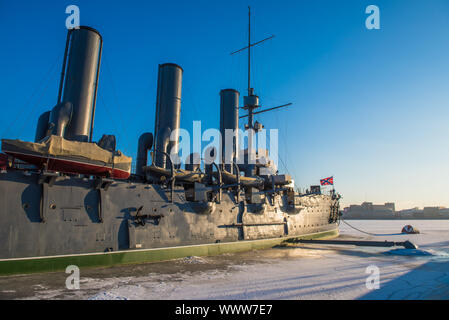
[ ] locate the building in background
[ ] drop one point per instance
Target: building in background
(368, 210)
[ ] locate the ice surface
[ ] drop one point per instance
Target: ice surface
(303, 271)
(193, 259)
(417, 252)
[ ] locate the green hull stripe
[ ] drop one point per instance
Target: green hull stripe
(59, 263)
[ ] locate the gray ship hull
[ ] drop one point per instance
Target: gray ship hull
(47, 218)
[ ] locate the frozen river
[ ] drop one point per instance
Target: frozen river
(303, 271)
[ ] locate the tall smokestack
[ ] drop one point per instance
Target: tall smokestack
(168, 111)
(82, 57)
(229, 119)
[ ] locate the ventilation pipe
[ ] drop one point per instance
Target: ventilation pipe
(229, 119)
(42, 126)
(60, 117)
(79, 81)
(168, 111)
(145, 144)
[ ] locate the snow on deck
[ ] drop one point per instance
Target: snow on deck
(303, 271)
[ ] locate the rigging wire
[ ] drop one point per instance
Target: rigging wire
(279, 155)
(190, 96)
(144, 98)
(110, 116)
(114, 93)
(44, 82)
(287, 154)
(121, 126)
(231, 72)
(44, 90)
(253, 66)
(107, 110)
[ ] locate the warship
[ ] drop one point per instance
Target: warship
(67, 200)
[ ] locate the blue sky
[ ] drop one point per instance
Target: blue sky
(369, 106)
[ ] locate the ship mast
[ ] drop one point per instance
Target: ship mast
(251, 101)
(249, 49)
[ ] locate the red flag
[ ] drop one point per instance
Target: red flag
(327, 181)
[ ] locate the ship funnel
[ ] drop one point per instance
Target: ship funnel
(229, 119)
(168, 111)
(79, 80)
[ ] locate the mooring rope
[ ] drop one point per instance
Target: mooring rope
(369, 233)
